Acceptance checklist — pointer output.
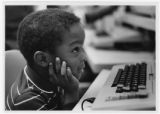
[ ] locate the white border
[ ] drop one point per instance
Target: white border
(83, 2)
(75, 2)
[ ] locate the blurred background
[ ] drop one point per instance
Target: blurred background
(115, 34)
(103, 19)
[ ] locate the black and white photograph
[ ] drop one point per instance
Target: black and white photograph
(80, 57)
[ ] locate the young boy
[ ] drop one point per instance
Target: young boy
(51, 41)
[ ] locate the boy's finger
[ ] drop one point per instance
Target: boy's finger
(63, 68)
(51, 71)
(58, 65)
(69, 74)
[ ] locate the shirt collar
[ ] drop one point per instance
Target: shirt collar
(42, 84)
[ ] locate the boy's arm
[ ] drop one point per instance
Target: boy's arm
(71, 96)
(70, 100)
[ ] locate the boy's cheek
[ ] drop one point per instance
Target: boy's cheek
(73, 65)
(75, 68)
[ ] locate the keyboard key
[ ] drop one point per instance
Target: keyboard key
(126, 68)
(126, 88)
(141, 86)
(119, 90)
(134, 88)
(134, 81)
(120, 85)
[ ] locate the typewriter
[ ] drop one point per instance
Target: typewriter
(128, 87)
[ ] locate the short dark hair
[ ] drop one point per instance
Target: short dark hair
(43, 30)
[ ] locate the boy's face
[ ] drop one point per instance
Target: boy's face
(71, 49)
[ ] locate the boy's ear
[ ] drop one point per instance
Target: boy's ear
(42, 58)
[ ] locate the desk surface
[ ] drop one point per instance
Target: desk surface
(93, 90)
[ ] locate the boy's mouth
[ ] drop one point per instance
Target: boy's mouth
(82, 69)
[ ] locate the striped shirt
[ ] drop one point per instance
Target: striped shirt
(30, 92)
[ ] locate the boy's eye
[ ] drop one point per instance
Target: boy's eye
(76, 50)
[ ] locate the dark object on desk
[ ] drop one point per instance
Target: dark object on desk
(91, 100)
(102, 33)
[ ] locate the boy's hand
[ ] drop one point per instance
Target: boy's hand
(63, 77)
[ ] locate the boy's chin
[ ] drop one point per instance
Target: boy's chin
(79, 75)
